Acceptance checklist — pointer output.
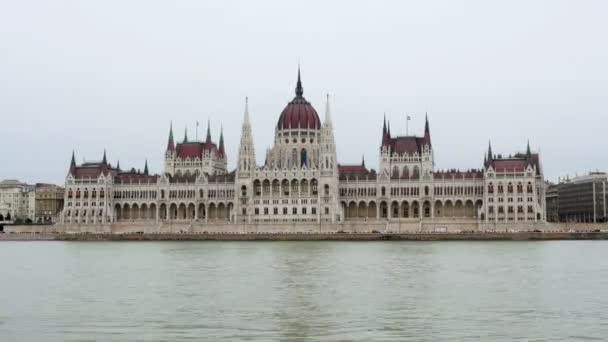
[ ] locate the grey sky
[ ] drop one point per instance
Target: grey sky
(89, 75)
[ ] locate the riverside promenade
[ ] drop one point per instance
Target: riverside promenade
(467, 236)
(363, 231)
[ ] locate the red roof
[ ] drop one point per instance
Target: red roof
(516, 164)
(92, 170)
(409, 145)
(195, 150)
(299, 113)
(353, 170)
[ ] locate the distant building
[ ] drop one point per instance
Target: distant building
(301, 181)
(552, 199)
(16, 201)
(49, 200)
(581, 199)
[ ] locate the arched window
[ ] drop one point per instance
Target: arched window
(383, 191)
(326, 189)
(426, 191)
(490, 188)
(294, 157)
(416, 173)
(303, 157)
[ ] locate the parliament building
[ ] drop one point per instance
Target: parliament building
(301, 181)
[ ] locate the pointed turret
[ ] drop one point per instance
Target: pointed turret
(427, 131)
(146, 168)
(118, 165)
(208, 139)
(363, 160)
(490, 158)
(385, 138)
(186, 134)
(221, 148)
(104, 160)
(73, 164)
(299, 89)
(171, 143)
(389, 129)
(528, 151)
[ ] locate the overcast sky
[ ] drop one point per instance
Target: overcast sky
(89, 75)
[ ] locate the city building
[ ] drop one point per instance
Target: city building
(17, 201)
(580, 199)
(48, 203)
(301, 181)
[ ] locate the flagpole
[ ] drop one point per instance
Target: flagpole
(197, 131)
(407, 124)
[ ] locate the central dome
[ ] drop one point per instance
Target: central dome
(299, 113)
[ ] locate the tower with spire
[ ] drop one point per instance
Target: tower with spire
(406, 156)
(246, 158)
(329, 166)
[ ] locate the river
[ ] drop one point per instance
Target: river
(304, 291)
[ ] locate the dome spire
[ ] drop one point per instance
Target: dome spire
(299, 89)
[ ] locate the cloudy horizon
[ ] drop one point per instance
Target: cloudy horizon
(89, 76)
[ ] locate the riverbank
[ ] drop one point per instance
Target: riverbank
(473, 236)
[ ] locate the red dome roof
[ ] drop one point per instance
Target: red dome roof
(299, 113)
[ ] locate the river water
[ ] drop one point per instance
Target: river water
(304, 291)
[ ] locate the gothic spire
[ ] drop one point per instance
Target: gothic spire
(490, 156)
(170, 143)
(104, 160)
(327, 112)
(384, 127)
(118, 165)
(146, 168)
(208, 139)
(73, 164)
(299, 89)
(221, 148)
(186, 134)
(384, 133)
(528, 151)
(363, 160)
(427, 130)
(246, 120)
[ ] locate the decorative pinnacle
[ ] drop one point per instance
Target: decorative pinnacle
(299, 89)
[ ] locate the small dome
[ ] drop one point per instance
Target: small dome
(299, 113)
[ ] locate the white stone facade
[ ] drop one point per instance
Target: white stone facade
(301, 182)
